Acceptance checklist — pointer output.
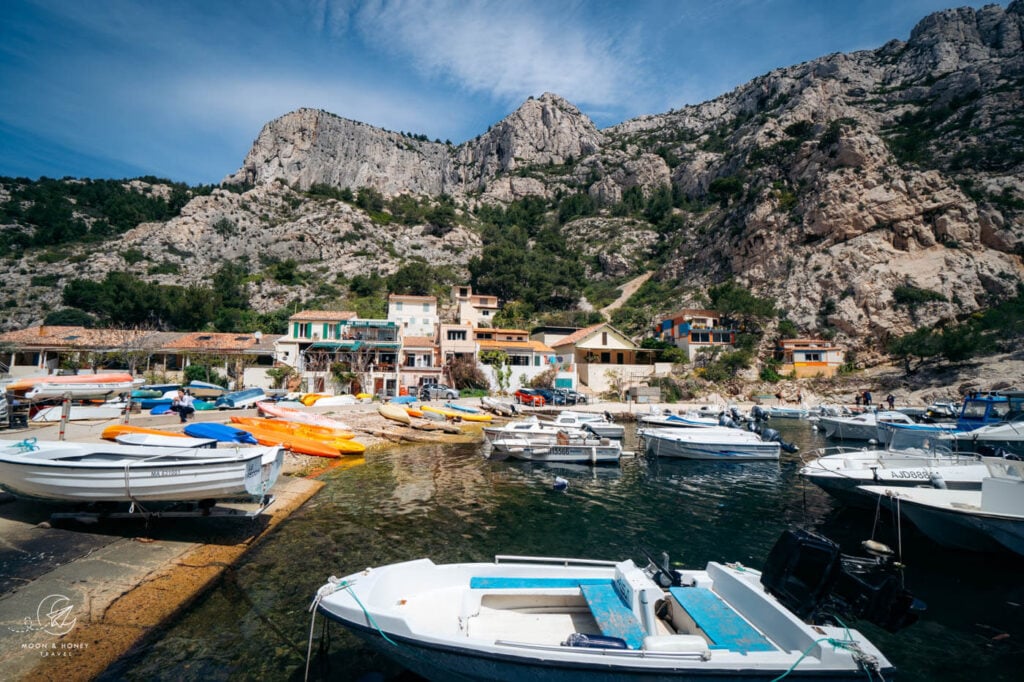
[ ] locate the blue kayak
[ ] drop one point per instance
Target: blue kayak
(162, 408)
(220, 432)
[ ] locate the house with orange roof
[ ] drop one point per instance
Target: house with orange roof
(243, 357)
(605, 359)
(48, 348)
(526, 357)
(809, 357)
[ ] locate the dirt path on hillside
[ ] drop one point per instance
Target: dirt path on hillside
(627, 290)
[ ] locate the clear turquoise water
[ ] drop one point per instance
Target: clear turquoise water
(451, 504)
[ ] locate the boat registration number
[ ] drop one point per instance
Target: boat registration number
(166, 472)
(252, 468)
(911, 473)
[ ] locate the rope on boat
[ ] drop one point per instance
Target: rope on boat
(26, 445)
(868, 662)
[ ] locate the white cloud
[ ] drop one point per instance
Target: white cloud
(508, 50)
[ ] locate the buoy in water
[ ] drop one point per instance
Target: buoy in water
(560, 483)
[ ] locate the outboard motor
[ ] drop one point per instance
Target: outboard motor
(735, 414)
(758, 414)
(773, 436)
(724, 420)
(810, 577)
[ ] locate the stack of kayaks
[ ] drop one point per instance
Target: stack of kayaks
(306, 439)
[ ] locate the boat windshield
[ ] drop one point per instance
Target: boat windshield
(929, 442)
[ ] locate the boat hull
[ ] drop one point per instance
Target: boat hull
(138, 475)
(675, 443)
(569, 454)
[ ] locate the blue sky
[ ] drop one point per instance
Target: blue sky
(180, 88)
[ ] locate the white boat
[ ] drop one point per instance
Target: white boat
(783, 412)
(842, 471)
(860, 427)
(515, 441)
(598, 424)
(79, 412)
(978, 520)
(718, 443)
(104, 472)
(526, 427)
(591, 451)
(154, 440)
(522, 618)
(336, 400)
(667, 419)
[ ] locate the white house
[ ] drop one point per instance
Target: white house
(414, 315)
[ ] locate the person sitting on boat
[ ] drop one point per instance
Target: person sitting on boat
(183, 405)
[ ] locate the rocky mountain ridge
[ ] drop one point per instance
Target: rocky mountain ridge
(826, 186)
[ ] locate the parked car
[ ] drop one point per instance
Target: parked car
(529, 396)
(550, 398)
(441, 392)
(565, 396)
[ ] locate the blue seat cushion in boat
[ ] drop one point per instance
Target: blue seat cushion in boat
(723, 626)
(613, 617)
(525, 583)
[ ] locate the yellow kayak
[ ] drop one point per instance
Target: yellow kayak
(310, 398)
(394, 413)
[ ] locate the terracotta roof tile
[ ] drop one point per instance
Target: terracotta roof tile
(224, 342)
(403, 297)
(418, 341)
(579, 335)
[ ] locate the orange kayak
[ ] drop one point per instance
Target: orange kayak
(304, 446)
(294, 428)
(115, 430)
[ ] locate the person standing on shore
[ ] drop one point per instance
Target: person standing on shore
(891, 399)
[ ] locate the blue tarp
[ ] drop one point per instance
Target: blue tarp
(221, 432)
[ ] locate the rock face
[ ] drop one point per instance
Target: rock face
(825, 186)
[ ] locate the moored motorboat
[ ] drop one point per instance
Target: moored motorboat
(576, 619)
(718, 443)
(861, 426)
(589, 451)
(988, 519)
(70, 471)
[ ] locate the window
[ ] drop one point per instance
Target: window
(487, 313)
(426, 307)
(536, 361)
(606, 358)
(398, 306)
(410, 360)
(519, 361)
(812, 357)
(604, 338)
(700, 337)
(303, 330)
(722, 337)
(619, 358)
(456, 334)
